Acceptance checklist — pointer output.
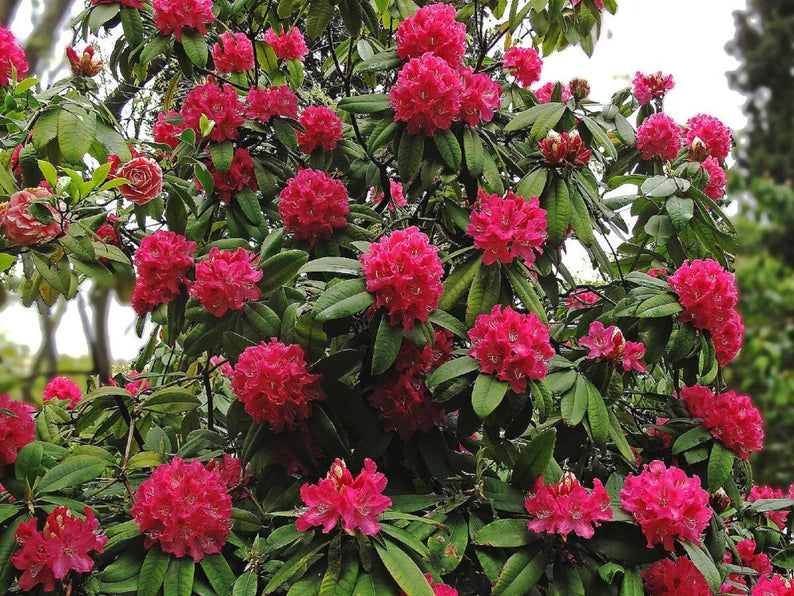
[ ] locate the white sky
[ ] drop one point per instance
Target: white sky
(685, 38)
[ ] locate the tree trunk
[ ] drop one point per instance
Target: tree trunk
(7, 10)
(45, 35)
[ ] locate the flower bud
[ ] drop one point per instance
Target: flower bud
(580, 88)
(86, 64)
(698, 150)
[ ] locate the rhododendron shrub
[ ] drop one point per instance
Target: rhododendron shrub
(369, 361)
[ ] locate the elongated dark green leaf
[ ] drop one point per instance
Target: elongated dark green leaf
(574, 403)
(281, 268)
(521, 572)
(449, 148)
(705, 565)
(448, 322)
(28, 462)
(506, 533)
(76, 128)
(195, 47)
(75, 470)
(580, 219)
(600, 136)
(245, 585)
(291, 566)
(519, 280)
(533, 459)
(346, 307)
(661, 305)
(380, 61)
(222, 155)
(458, 282)
(403, 569)
(720, 466)
(409, 155)
(171, 400)
(365, 104)
(218, 572)
(262, 318)
(532, 115)
(179, 577)
(557, 204)
(484, 292)
(472, 147)
(387, 346)
(318, 17)
(533, 183)
(451, 370)
(597, 416)
(132, 25)
(691, 438)
(153, 572)
(487, 394)
(340, 265)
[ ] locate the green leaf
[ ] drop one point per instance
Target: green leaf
(661, 305)
(222, 155)
(680, 211)
(318, 17)
(72, 472)
(246, 584)
(351, 16)
(387, 346)
(132, 25)
(28, 462)
(335, 294)
(575, 402)
(449, 148)
(506, 533)
(285, 133)
(533, 183)
(487, 394)
(448, 322)
(580, 219)
(403, 569)
(76, 128)
(521, 572)
(484, 292)
(600, 136)
(597, 416)
(472, 147)
(691, 438)
(457, 282)
(631, 584)
(195, 47)
(519, 281)
(262, 318)
(407, 539)
(705, 565)
(451, 370)
(533, 459)
(409, 155)
(179, 577)
(547, 112)
(379, 62)
(720, 466)
(557, 204)
(281, 269)
(153, 572)
(625, 130)
(218, 572)
(365, 104)
(291, 566)
(659, 186)
(171, 400)
(340, 265)
(346, 307)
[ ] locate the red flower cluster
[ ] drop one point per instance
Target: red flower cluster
(581, 300)
(566, 507)
(659, 136)
(544, 92)
(20, 225)
(323, 129)
(170, 16)
(264, 104)
(773, 586)
(162, 262)
(759, 562)
(288, 45)
(609, 343)
(87, 64)
(145, 180)
(663, 436)
(515, 347)
(710, 132)
(396, 191)
(167, 132)
(404, 272)
(667, 504)
(312, 205)
(63, 388)
(226, 280)
(730, 417)
(433, 29)
(565, 149)
(506, 228)
(61, 546)
(481, 96)
(11, 54)
(674, 578)
(184, 507)
(767, 492)
(403, 402)
(239, 176)
(709, 297)
(15, 431)
(357, 502)
(648, 87)
(231, 473)
(524, 64)
(275, 386)
(233, 53)
(221, 105)
(440, 589)
(718, 180)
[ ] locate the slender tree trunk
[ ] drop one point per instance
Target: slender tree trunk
(7, 10)
(45, 35)
(100, 354)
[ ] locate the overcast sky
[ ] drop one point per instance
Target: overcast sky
(685, 38)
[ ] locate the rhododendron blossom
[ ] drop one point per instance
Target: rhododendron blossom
(775, 585)
(61, 546)
(312, 205)
(274, 384)
(718, 180)
(16, 430)
(226, 280)
(20, 225)
(144, 180)
(354, 503)
(609, 343)
(427, 95)
(767, 492)
(481, 96)
(433, 29)
(667, 504)
(712, 133)
(168, 132)
(231, 472)
(581, 300)
(239, 176)
(185, 508)
(288, 45)
(760, 562)
(264, 104)
(524, 64)
(565, 507)
(514, 347)
(659, 136)
(221, 105)
(11, 55)
(674, 578)
(439, 589)
(233, 53)
(652, 86)
(544, 92)
(323, 129)
(62, 388)
(162, 263)
(404, 272)
(172, 16)
(396, 192)
(86, 64)
(507, 228)
(730, 417)
(565, 149)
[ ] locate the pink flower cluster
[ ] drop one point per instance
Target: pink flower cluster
(287, 45)
(433, 29)
(767, 492)
(544, 92)
(184, 507)
(231, 472)
(274, 384)
(221, 105)
(239, 176)
(356, 502)
(667, 504)
(648, 87)
(514, 347)
(524, 64)
(11, 54)
(167, 132)
(565, 507)
(731, 418)
(162, 263)
(709, 297)
(480, 97)
(15, 431)
(565, 149)
(233, 53)
(438, 588)
(396, 191)
(62, 388)
(718, 180)
(323, 129)
(507, 228)
(20, 225)
(747, 558)
(61, 546)
(659, 136)
(264, 104)
(674, 578)
(710, 132)
(171, 16)
(581, 300)
(312, 205)
(609, 343)
(144, 180)
(403, 401)
(775, 585)
(404, 272)
(226, 280)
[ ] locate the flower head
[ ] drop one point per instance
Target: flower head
(86, 64)
(713, 134)
(774, 585)
(240, 175)
(264, 104)
(233, 53)
(16, 429)
(565, 149)
(760, 562)
(312, 205)
(603, 342)
(22, 227)
(648, 87)
(524, 64)
(167, 132)
(288, 45)
(11, 54)
(659, 136)
(718, 180)
(323, 129)
(481, 96)
(767, 492)
(221, 105)
(674, 578)
(162, 263)
(581, 300)
(226, 280)
(566, 507)
(396, 192)
(63, 388)
(231, 472)
(145, 180)
(544, 92)
(172, 16)
(433, 29)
